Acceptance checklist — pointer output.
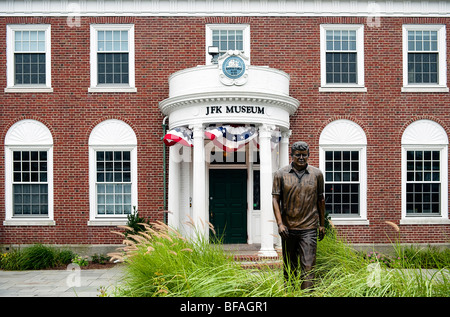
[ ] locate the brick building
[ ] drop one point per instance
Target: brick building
(91, 88)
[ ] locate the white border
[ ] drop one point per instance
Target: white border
(10, 86)
(359, 86)
(443, 148)
(103, 131)
(441, 86)
(348, 145)
(208, 37)
(10, 146)
(370, 8)
(131, 58)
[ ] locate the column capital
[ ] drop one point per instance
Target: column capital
(286, 134)
(266, 130)
(198, 130)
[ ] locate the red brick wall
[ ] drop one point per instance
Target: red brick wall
(165, 45)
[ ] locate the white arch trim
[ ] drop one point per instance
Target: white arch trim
(424, 132)
(28, 132)
(112, 132)
(342, 132)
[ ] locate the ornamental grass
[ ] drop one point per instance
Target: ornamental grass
(159, 261)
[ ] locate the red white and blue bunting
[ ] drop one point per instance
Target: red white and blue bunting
(227, 137)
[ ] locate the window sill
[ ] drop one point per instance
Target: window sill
(425, 89)
(112, 89)
(107, 222)
(350, 222)
(342, 89)
(424, 221)
(29, 222)
(28, 89)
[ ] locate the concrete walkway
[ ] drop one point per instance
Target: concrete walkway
(72, 282)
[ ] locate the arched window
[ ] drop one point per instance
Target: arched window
(112, 172)
(342, 157)
(29, 174)
(424, 173)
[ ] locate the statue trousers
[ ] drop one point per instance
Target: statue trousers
(299, 249)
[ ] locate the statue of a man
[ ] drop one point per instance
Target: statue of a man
(299, 208)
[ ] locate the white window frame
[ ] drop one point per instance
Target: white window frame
(344, 87)
(441, 86)
(10, 65)
(27, 135)
(426, 135)
(95, 87)
(111, 135)
(209, 30)
(346, 135)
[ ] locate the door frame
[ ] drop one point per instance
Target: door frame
(245, 197)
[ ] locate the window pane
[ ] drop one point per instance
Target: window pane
(423, 187)
(113, 68)
(341, 68)
(29, 68)
(228, 40)
(114, 195)
(341, 182)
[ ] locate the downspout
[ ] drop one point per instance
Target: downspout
(164, 126)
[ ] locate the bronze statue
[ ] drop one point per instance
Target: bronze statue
(299, 208)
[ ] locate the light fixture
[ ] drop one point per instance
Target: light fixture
(214, 52)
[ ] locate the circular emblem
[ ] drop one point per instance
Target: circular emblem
(233, 67)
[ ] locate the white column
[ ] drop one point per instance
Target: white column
(284, 148)
(174, 187)
(199, 212)
(267, 238)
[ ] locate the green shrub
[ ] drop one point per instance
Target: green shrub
(35, 257)
(64, 257)
(80, 260)
(99, 258)
(10, 261)
(135, 223)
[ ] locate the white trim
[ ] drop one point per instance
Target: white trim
(208, 37)
(11, 87)
(95, 87)
(441, 86)
(23, 136)
(346, 135)
(372, 9)
(102, 139)
(437, 141)
(359, 86)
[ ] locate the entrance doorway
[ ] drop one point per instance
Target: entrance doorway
(228, 204)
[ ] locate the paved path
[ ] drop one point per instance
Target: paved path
(59, 283)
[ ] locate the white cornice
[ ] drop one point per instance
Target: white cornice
(286, 103)
(371, 8)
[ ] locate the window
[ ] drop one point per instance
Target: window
(228, 37)
(112, 172)
(342, 58)
(423, 182)
(424, 58)
(29, 174)
(113, 182)
(112, 58)
(30, 183)
(342, 182)
(342, 157)
(424, 173)
(28, 58)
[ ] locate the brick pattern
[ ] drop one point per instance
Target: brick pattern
(165, 45)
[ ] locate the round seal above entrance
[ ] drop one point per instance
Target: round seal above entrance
(233, 67)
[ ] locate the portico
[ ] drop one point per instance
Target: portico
(237, 118)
